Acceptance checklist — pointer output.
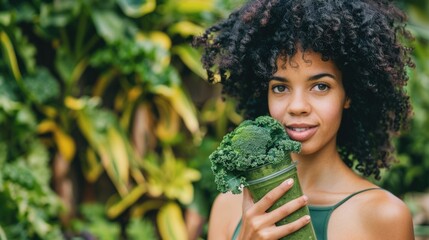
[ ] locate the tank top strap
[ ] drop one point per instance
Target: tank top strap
(237, 230)
(352, 195)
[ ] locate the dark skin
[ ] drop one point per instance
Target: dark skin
(309, 100)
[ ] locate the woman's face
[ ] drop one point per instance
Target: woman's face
(307, 96)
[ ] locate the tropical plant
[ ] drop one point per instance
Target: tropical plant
(104, 82)
(29, 208)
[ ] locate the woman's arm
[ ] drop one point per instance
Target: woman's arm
(225, 215)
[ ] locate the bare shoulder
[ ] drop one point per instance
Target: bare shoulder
(372, 215)
(385, 216)
(225, 215)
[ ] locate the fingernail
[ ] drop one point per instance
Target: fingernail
(305, 198)
(307, 218)
(288, 182)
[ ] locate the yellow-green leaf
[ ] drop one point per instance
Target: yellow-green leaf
(160, 38)
(186, 29)
(191, 57)
(7, 44)
(140, 210)
(171, 223)
(120, 206)
(92, 167)
(110, 146)
(74, 103)
(181, 104)
(167, 128)
(119, 154)
(103, 81)
(65, 144)
(137, 8)
(194, 6)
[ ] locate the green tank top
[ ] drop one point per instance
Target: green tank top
(320, 216)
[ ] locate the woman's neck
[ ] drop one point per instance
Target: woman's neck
(320, 172)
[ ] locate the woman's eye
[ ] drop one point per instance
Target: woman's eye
(321, 87)
(279, 89)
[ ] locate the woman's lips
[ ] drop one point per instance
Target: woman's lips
(301, 133)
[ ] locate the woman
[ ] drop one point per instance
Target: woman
(333, 73)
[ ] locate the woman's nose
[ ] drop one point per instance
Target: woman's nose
(298, 104)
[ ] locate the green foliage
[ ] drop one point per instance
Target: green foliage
(29, 208)
(143, 58)
(253, 143)
(94, 221)
(41, 86)
(141, 227)
(410, 174)
(101, 84)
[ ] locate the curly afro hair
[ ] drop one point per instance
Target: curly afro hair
(363, 38)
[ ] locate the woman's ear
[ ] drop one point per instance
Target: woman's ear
(347, 103)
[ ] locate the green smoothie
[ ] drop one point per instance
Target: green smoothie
(263, 179)
(257, 155)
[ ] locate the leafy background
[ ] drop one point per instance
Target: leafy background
(106, 123)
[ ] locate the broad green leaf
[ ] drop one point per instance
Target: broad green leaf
(41, 86)
(58, 15)
(64, 64)
(97, 224)
(137, 8)
(161, 40)
(5, 18)
(141, 227)
(109, 25)
(8, 87)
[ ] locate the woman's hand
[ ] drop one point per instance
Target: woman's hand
(258, 224)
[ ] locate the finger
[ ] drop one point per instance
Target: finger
(247, 200)
(288, 208)
(292, 227)
(272, 196)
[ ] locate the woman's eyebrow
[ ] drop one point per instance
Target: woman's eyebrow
(278, 78)
(321, 75)
(311, 78)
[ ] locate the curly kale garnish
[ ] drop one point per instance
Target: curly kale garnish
(252, 144)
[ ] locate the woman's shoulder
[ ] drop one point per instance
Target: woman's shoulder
(225, 214)
(387, 208)
(383, 215)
